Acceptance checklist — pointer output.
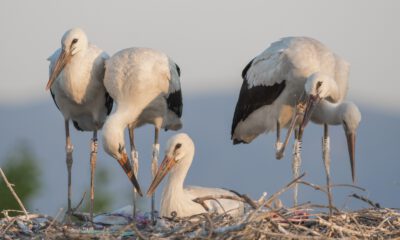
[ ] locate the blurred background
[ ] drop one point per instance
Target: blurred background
(211, 41)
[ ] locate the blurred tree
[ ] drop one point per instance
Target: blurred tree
(20, 167)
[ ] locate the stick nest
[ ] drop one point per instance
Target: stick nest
(265, 218)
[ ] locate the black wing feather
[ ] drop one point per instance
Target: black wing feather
(77, 126)
(54, 99)
(109, 103)
(174, 102)
(178, 69)
(251, 99)
(174, 99)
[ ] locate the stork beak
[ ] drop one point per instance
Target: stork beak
(62, 60)
(124, 162)
(351, 143)
(312, 102)
(164, 168)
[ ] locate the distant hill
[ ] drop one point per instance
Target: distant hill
(250, 169)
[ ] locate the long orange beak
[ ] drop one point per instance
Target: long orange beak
(162, 171)
(124, 162)
(351, 144)
(312, 102)
(62, 60)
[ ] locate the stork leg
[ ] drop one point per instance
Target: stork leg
(134, 164)
(327, 164)
(154, 167)
(278, 144)
(93, 159)
(296, 163)
(68, 149)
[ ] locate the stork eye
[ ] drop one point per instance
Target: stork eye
(345, 125)
(121, 148)
(177, 146)
(75, 40)
(319, 84)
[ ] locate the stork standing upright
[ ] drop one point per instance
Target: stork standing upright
(76, 85)
(145, 84)
(179, 155)
(277, 79)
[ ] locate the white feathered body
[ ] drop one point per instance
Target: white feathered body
(180, 201)
(144, 77)
(78, 91)
(293, 60)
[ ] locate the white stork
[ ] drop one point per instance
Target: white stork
(145, 85)
(346, 114)
(277, 79)
(177, 199)
(76, 85)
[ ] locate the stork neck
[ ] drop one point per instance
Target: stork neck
(174, 197)
(176, 178)
(127, 113)
(327, 112)
(113, 132)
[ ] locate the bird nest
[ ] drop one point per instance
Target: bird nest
(263, 219)
(261, 223)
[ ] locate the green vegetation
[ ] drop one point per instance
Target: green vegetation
(20, 167)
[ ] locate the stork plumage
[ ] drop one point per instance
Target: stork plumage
(145, 85)
(277, 79)
(176, 198)
(76, 85)
(346, 114)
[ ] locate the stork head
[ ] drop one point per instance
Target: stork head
(317, 87)
(72, 42)
(351, 117)
(114, 145)
(178, 158)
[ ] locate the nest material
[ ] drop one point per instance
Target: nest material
(261, 220)
(260, 223)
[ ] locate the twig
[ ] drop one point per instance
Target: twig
(284, 189)
(249, 201)
(364, 199)
(283, 236)
(80, 203)
(315, 186)
(211, 230)
(215, 197)
(81, 216)
(8, 226)
(13, 192)
(339, 228)
(52, 222)
(201, 200)
(349, 185)
(225, 230)
(358, 226)
(138, 233)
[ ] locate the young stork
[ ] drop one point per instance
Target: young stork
(277, 79)
(179, 154)
(146, 87)
(76, 85)
(346, 114)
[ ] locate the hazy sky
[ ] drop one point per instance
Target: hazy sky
(211, 40)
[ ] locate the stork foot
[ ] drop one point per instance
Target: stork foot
(279, 154)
